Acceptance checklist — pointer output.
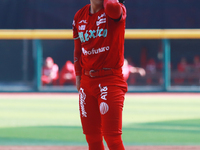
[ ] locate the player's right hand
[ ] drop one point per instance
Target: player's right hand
(78, 82)
(142, 72)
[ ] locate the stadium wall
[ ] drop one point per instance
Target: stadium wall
(22, 60)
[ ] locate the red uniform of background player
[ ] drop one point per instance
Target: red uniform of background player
(67, 74)
(50, 72)
(98, 30)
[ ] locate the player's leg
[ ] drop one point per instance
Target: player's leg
(111, 102)
(95, 141)
(55, 81)
(45, 80)
(114, 142)
(90, 119)
(61, 80)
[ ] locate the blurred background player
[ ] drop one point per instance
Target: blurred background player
(183, 67)
(196, 64)
(127, 69)
(151, 69)
(50, 72)
(67, 74)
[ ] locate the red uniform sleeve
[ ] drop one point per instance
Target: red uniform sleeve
(77, 57)
(114, 9)
(77, 50)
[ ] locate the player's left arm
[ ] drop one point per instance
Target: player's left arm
(113, 9)
(77, 58)
(77, 53)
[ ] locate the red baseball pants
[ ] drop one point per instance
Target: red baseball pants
(101, 108)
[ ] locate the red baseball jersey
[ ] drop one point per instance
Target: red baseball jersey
(53, 71)
(102, 39)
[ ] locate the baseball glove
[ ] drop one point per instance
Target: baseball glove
(122, 1)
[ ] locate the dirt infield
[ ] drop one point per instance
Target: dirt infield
(85, 148)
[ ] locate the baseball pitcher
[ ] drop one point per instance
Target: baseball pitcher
(98, 31)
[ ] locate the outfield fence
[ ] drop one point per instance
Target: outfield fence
(165, 35)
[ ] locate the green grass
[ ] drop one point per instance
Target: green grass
(147, 120)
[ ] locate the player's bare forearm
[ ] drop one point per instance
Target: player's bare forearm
(78, 82)
(113, 9)
(141, 71)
